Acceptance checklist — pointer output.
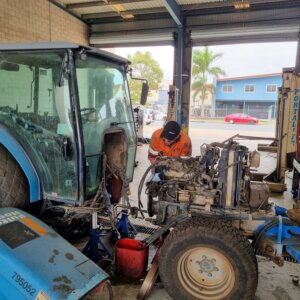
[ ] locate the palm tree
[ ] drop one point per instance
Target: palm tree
(203, 66)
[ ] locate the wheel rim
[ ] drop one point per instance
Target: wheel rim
(206, 273)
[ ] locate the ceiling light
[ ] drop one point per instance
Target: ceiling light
(117, 7)
(120, 9)
(127, 16)
(241, 5)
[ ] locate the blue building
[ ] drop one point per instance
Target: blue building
(254, 95)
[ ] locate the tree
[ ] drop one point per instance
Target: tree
(144, 66)
(203, 67)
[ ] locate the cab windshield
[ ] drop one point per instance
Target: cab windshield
(104, 106)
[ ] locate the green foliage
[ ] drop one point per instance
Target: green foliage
(203, 66)
(144, 66)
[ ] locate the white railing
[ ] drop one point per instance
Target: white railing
(207, 112)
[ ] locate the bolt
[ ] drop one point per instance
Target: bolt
(209, 274)
(203, 257)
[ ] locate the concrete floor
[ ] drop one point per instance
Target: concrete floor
(274, 283)
(278, 283)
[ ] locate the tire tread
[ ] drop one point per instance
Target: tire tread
(198, 227)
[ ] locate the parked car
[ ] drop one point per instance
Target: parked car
(240, 118)
(148, 116)
(159, 116)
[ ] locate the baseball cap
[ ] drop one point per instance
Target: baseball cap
(171, 130)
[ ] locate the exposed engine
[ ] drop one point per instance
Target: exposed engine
(219, 178)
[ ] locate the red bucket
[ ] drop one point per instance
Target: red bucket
(131, 258)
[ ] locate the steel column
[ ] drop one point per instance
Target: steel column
(182, 64)
(177, 69)
(182, 75)
(297, 65)
(186, 82)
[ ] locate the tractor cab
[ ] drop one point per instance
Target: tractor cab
(65, 122)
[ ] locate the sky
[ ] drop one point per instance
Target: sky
(237, 60)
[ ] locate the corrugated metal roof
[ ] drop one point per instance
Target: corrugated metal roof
(145, 7)
(209, 21)
(102, 6)
(88, 7)
(187, 2)
(115, 7)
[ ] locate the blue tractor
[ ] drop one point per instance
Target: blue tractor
(67, 153)
(67, 132)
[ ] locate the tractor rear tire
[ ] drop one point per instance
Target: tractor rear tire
(208, 258)
(14, 191)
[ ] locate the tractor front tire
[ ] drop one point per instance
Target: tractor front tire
(14, 190)
(208, 258)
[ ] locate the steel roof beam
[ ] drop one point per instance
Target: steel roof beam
(134, 12)
(132, 38)
(101, 3)
(230, 4)
(215, 8)
(282, 15)
(121, 27)
(174, 10)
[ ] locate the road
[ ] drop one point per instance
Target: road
(233, 127)
(209, 125)
(207, 132)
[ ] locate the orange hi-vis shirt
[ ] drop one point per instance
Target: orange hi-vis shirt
(157, 147)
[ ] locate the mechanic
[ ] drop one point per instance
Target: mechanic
(169, 141)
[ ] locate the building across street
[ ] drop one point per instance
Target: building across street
(253, 95)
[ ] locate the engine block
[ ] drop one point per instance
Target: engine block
(219, 178)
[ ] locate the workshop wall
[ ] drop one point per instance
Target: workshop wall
(39, 21)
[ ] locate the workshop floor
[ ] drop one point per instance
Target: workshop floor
(278, 283)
